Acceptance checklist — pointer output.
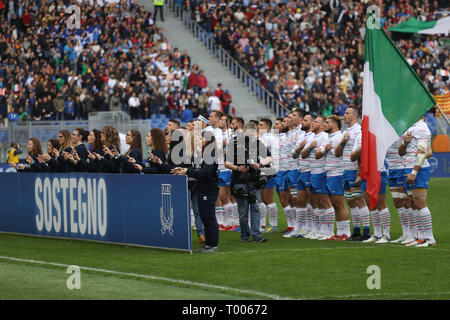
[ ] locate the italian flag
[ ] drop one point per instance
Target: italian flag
(394, 98)
(270, 57)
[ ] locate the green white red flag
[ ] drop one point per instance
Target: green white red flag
(394, 98)
(270, 56)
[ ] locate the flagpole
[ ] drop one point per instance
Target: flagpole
(443, 114)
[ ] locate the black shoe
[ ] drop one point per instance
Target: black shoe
(208, 249)
(260, 240)
(244, 240)
(354, 237)
(365, 237)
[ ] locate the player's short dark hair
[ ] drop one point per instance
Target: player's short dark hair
(175, 122)
(301, 113)
(356, 110)
(267, 121)
(336, 119)
(217, 113)
(239, 120)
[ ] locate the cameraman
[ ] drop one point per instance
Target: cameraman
(245, 156)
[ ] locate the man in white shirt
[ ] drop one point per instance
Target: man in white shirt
(304, 206)
(380, 215)
(230, 222)
(214, 128)
(282, 184)
(415, 149)
(396, 180)
(353, 194)
(134, 103)
(214, 102)
(267, 204)
(335, 183)
(293, 135)
(319, 194)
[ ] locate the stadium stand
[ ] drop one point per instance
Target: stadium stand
(318, 47)
(118, 60)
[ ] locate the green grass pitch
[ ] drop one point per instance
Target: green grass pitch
(35, 268)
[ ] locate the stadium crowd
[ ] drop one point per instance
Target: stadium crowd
(314, 168)
(118, 60)
(318, 46)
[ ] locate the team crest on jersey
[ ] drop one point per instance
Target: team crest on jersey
(166, 210)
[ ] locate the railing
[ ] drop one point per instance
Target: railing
(253, 85)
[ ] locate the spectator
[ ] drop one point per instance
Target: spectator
(187, 115)
(69, 109)
(114, 102)
(134, 104)
(227, 102)
(59, 106)
(13, 116)
(340, 109)
(213, 102)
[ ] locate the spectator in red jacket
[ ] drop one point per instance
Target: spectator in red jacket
(193, 81)
(227, 102)
(201, 80)
(172, 106)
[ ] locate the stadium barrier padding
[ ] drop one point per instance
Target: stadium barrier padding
(131, 209)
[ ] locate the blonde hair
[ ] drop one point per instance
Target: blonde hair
(67, 140)
(112, 137)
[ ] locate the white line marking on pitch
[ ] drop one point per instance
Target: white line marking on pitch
(381, 294)
(209, 286)
(150, 277)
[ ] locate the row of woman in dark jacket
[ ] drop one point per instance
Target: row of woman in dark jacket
(69, 153)
(99, 151)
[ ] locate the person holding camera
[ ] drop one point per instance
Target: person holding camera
(246, 156)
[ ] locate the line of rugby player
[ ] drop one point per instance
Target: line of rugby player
(317, 165)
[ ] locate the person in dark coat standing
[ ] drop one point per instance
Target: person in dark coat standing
(206, 188)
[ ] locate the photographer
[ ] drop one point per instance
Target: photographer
(245, 156)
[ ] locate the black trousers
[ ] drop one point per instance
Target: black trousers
(160, 9)
(207, 210)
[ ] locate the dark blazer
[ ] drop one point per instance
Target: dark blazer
(109, 165)
(154, 168)
(206, 177)
(127, 166)
(63, 165)
(35, 166)
(93, 165)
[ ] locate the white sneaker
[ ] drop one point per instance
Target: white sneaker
(371, 239)
(426, 243)
(309, 234)
(384, 239)
(412, 243)
(399, 240)
(314, 236)
(325, 236)
(408, 240)
(291, 234)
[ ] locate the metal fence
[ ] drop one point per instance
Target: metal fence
(45, 130)
(208, 41)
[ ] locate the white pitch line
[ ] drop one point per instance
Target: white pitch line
(381, 294)
(150, 277)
